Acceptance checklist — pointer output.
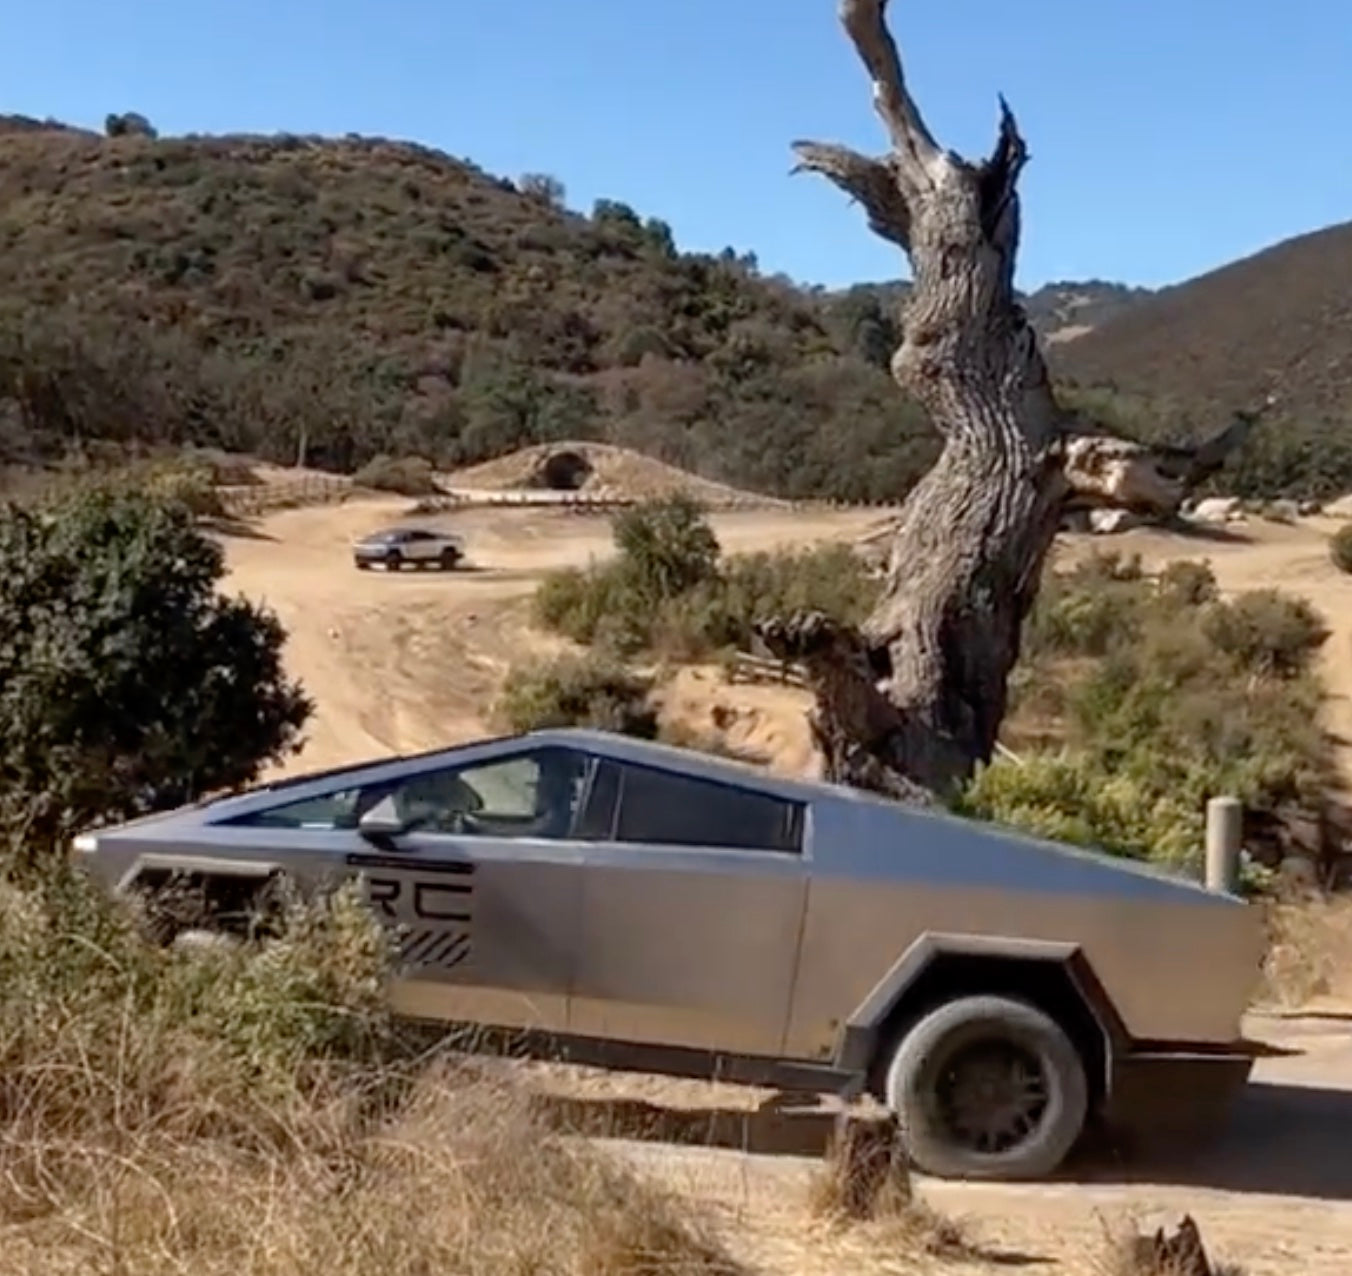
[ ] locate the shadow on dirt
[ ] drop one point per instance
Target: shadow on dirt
(1283, 1140)
(235, 529)
(1218, 533)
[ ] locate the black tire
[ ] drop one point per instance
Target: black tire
(363, 565)
(449, 558)
(1025, 1132)
(394, 561)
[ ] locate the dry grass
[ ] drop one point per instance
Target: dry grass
(460, 1181)
(1309, 951)
(1126, 1252)
(866, 1183)
(253, 1113)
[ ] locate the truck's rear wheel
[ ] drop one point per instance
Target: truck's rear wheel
(987, 1088)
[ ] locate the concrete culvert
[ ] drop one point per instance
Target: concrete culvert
(563, 471)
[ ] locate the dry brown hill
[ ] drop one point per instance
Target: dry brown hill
(1280, 320)
(348, 297)
(599, 469)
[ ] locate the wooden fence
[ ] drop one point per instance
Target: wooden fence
(328, 489)
(745, 667)
(262, 498)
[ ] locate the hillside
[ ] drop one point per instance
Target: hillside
(1061, 311)
(1279, 321)
(331, 299)
(339, 298)
(1068, 310)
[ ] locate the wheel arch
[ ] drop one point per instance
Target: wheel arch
(1056, 977)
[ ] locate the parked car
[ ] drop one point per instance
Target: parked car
(639, 906)
(416, 546)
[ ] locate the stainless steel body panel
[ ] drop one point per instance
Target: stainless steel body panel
(694, 949)
(490, 928)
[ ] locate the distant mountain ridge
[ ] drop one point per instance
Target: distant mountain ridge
(1060, 311)
(340, 298)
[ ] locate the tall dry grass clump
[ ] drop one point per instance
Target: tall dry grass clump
(255, 1111)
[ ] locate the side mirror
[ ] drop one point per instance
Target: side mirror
(382, 823)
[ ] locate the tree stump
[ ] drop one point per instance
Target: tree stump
(1181, 1254)
(867, 1174)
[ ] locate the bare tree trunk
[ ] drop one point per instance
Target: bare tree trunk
(912, 703)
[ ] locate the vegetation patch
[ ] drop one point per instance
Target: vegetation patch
(670, 590)
(1340, 548)
(578, 691)
(1149, 697)
(406, 476)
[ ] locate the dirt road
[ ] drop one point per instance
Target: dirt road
(411, 660)
(403, 661)
(1273, 1192)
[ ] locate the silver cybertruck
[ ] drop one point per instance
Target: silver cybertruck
(632, 905)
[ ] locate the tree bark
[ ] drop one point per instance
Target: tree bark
(909, 705)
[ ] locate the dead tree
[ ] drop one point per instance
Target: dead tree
(909, 705)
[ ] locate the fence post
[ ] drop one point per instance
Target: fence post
(1224, 835)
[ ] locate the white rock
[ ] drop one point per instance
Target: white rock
(1219, 509)
(1341, 508)
(1111, 522)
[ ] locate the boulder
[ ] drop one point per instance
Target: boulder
(1102, 470)
(1219, 509)
(1284, 511)
(1109, 522)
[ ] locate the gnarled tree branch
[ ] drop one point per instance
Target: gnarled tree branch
(914, 700)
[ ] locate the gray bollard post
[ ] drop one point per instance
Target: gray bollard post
(1224, 836)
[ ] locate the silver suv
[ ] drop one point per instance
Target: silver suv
(416, 546)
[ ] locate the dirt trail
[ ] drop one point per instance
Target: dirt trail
(403, 661)
(1272, 1192)
(410, 660)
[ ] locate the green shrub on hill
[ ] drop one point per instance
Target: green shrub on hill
(1167, 695)
(405, 475)
(670, 590)
(578, 691)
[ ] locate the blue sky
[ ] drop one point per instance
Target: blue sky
(1167, 136)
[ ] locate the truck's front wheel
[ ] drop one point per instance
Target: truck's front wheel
(987, 1088)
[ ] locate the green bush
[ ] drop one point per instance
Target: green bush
(1340, 548)
(666, 547)
(578, 691)
(1165, 695)
(404, 475)
(224, 469)
(1068, 797)
(1267, 632)
(1187, 583)
(669, 590)
(127, 683)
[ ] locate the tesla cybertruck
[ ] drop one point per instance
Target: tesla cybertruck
(632, 905)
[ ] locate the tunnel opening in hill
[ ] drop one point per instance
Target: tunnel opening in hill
(564, 471)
